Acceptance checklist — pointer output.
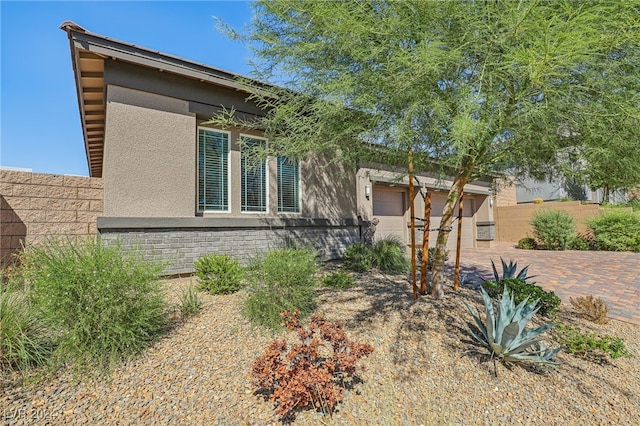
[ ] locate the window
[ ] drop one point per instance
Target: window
(254, 178)
(288, 185)
(213, 170)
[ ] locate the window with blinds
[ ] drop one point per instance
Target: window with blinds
(213, 170)
(288, 185)
(254, 178)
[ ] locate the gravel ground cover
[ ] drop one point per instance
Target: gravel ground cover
(424, 370)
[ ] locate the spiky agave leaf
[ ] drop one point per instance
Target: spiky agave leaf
(504, 334)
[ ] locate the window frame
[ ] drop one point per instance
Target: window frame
(266, 176)
(229, 175)
(298, 194)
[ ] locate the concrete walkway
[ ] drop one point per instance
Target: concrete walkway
(613, 276)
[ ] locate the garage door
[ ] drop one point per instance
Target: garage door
(468, 228)
(389, 207)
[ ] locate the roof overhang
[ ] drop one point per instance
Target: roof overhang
(89, 52)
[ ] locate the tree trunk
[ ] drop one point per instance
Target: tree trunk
(413, 225)
(437, 276)
(456, 272)
(425, 243)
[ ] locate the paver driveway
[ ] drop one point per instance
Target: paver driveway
(613, 276)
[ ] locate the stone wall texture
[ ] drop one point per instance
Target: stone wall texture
(34, 206)
(179, 248)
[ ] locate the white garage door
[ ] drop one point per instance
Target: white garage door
(389, 206)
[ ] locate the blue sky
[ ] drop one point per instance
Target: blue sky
(39, 118)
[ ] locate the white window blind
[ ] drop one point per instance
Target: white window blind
(288, 185)
(254, 178)
(213, 170)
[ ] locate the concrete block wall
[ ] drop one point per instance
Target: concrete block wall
(35, 205)
(513, 222)
(181, 247)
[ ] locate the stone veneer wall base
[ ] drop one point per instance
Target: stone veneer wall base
(180, 247)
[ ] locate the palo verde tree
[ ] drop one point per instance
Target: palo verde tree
(463, 89)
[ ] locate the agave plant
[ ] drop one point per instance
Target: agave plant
(504, 334)
(509, 271)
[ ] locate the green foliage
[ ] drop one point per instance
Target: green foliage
(102, 302)
(527, 243)
(190, 303)
(504, 334)
(593, 309)
(616, 230)
(509, 271)
(218, 274)
(472, 88)
(590, 345)
(431, 255)
(580, 242)
(358, 258)
(553, 228)
(284, 280)
(389, 255)
(521, 290)
(339, 279)
(24, 338)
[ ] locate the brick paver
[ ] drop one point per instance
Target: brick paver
(613, 276)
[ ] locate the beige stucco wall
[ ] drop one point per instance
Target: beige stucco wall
(149, 155)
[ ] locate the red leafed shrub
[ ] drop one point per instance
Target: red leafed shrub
(312, 373)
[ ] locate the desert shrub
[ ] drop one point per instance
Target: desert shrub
(339, 279)
(590, 345)
(521, 289)
(537, 201)
(284, 280)
(527, 243)
(431, 255)
(190, 303)
(301, 377)
(593, 309)
(218, 274)
(389, 255)
(358, 258)
(554, 229)
(24, 338)
(616, 230)
(580, 242)
(104, 302)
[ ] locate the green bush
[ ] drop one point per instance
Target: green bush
(431, 255)
(579, 243)
(553, 228)
(339, 279)
(358, 258)
(616, 230)
(24, 338)
(521, 289)
(218, 274)
(590, 345)
(284, 280)
(103, 302)
(527, 243)
(388, 255)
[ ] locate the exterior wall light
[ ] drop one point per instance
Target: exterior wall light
(367, 191)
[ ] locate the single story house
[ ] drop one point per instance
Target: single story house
(178, 188)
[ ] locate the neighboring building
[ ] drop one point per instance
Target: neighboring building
(530, 189)
(179, 188)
